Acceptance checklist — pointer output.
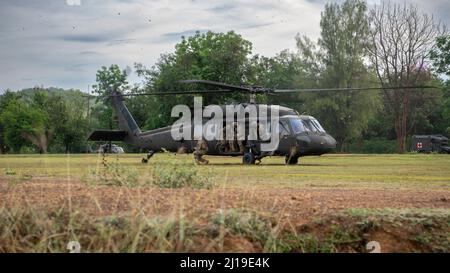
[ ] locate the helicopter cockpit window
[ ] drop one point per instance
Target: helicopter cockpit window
(312, 125)
(317, 125)
(283, 129)
(297, 126)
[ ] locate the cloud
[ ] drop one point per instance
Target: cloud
(54, 44)
(176, 36)
(122, 41)
(73, 2)
(88, 53)
(77, 67)
(84, 38)
(226, 7)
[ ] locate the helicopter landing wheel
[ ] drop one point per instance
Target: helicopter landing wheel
(291, 160)
(147, 157)
(249, 159)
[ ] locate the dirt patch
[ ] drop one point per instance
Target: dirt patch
(387, 230)
(300, 220)
(32, 229)
(294, 205)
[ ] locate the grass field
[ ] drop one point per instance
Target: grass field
(333, 203)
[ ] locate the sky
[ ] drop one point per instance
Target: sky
(62, 43)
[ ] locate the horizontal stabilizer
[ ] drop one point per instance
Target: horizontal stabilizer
(107, 135)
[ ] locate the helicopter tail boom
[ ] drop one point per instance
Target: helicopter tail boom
(126, 121)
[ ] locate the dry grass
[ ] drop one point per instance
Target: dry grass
(47, 201)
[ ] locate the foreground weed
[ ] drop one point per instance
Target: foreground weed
(29, 230)
(176, 174)
(112, 173)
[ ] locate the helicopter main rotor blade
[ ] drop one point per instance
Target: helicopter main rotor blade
(180, 93)
(349, 89)
(219, 84)
(170, 93)
(259, 90)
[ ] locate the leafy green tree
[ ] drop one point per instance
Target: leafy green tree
(284, 71)
(446, 108)
(69, 121)
(310, 57)
(108, 78)
(5, 99)
(103, 116)
(139, 106)
(344, 30)
(51, 119)
(22, 122)
(440, 55)
(211, 56)
(281, 71)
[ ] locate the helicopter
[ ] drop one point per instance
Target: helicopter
(298, 135)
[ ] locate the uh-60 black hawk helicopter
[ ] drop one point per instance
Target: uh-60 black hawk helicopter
(299, 135)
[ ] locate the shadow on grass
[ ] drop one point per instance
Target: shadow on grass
(273, 164)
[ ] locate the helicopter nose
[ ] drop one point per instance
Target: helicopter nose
(325, 141)
(331, 142)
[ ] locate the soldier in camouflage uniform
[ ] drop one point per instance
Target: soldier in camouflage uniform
(223, 143)
(240, 138)
(200, 150)
(232, 141)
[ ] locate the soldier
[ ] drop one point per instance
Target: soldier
(240, 136)
(223, 143)
(262, 131)
(231, 142)
(200, 150)
(182, 149)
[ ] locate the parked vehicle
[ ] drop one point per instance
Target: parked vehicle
(110, 148)
(430, 143)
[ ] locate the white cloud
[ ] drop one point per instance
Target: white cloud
(73, 2)
(55, 43)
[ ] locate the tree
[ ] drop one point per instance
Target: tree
(344, 32)
(22, 122)
(51, 119)
(5, 100)
(441, 61)
(400, 42)
(49, 114)
(108, 79)
(70, 124)
(440, 55)
(281, 72)
(210, 56)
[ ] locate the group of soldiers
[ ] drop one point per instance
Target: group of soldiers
(234, 145)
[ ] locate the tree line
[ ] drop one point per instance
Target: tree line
(389, 46)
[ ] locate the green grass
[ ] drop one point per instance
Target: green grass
(355, 171)
(29, 229)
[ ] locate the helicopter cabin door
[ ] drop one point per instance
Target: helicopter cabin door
(287, 139)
